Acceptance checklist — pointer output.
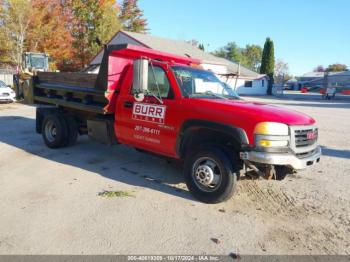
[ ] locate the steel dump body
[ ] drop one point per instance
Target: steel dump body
(73, 90)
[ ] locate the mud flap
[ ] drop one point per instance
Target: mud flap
(102, 130)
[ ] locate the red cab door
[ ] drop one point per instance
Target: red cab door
(152, 124)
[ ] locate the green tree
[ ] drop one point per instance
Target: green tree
(231, 52)
(131, 17)
(14, 22)
(252, 56)
(109, 24)
(221, 52)
(337, 68)
(234, 53)
(268, 63)
(201, 47)
(94, 23)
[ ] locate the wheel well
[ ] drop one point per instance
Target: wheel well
(197, 136)
(41, 113)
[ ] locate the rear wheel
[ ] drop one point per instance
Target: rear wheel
(210, 175)
(54, 131)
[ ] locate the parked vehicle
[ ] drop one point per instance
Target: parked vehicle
(31, 64)
(167, 105)
(6, 93)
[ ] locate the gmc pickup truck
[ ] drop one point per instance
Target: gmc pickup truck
(167, 105)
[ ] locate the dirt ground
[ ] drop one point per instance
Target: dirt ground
(52, 201)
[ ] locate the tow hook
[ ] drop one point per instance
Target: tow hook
(268, 172)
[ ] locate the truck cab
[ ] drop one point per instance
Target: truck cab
(31, 64)
(35, 62)
(170, 106)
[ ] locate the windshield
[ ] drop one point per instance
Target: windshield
(38, 62)
(200, 83)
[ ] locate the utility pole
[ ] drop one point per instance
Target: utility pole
(325, 79)
(238, 74)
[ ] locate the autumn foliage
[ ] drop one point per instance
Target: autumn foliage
(49, 32)
(70, 31)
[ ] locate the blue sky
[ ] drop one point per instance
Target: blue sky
(306, 33)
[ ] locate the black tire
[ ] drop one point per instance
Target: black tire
(281, 172)
(228, 168)
(72, 128)
(54, 131)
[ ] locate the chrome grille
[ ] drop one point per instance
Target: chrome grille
(306, 154)
(302, 139)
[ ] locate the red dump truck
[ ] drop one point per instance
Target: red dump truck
(168, 105)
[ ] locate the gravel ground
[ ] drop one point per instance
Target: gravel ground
(51, 200)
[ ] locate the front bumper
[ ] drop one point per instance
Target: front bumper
(9, 98)
(283, 159)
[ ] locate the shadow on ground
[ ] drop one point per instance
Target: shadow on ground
(335, 152)
(119, 163)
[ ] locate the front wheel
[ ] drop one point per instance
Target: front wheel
(211, 176)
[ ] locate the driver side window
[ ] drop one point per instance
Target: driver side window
(157, 75)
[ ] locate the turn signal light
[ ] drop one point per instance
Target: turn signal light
(269, 143)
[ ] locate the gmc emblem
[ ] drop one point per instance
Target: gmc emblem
(311, 135)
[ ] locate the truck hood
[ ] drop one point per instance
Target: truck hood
(258, 112)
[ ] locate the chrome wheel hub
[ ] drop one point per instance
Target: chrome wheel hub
(207, 174)
(50, 131)
(204, 175)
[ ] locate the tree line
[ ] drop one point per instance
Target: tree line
(70, 31)
(332, 68)
(256, 58)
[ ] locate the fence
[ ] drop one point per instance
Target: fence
(6, 75)
(277, 90)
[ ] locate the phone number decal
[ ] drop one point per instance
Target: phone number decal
(147, 130)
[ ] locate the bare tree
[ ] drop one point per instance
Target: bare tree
(281, 72)
(319, 68)
(14, 20)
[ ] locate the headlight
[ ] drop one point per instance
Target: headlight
(271, 129)
(271, 136)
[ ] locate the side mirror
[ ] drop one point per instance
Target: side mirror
(140, 78)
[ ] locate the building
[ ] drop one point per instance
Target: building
(6, 75)
(341, 80)
(245, 81)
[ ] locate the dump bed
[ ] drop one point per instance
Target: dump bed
(73, 90)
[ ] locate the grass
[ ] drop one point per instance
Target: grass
(110, 194)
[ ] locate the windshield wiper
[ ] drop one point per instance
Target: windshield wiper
(211, 93)
(233, 97)
(207, 93)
